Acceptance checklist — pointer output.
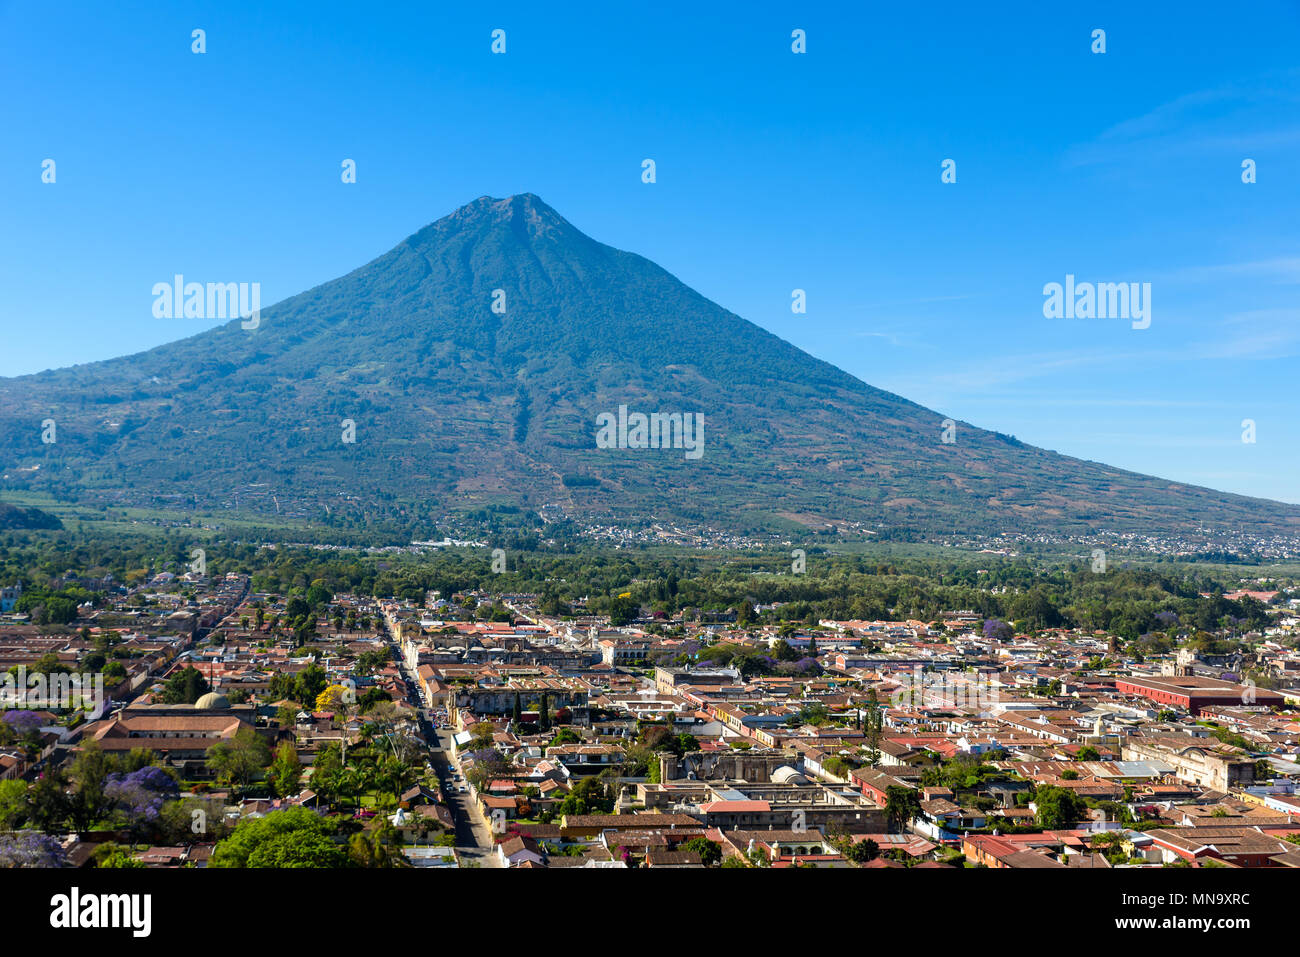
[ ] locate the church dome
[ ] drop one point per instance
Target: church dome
(212, 702)
(787, 775)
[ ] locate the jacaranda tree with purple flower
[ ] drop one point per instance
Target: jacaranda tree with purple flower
(995, 629)
(31, 849)
(21, 724)
(140, 795)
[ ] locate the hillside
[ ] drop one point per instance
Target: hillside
(457, 406)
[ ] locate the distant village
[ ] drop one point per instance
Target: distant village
(473, 730)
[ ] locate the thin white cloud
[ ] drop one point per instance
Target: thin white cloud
(1239, 115)
(887, 336)
(1284, 269)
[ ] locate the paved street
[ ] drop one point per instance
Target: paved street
(474, 842)
(473, 836)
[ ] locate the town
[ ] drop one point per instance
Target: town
(268, 718)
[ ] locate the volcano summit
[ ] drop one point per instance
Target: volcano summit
(454, 404)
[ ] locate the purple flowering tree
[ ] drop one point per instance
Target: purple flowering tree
(140, 795)
(22, 723)
(807, 664)
(31, 849)
(995, 629)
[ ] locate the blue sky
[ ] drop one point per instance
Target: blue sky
(818, 171)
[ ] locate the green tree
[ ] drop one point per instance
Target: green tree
(902, 806)
(862, 851)
(13, 804)
(376, 847)
(48, 664)
(184, 687)
(327, 778)
(298, 849)
(589, 796)
(58, 611)
(297, 837)
(781, 649)
(114, 671)
(308, 684)
(241, 758)
(88, 801)
(285, 773)
(710, 851)
(623, 610)
(481, 735)
(296, 608)
(48, 802)
(372, 698)
(874, 728)
(1057, 807)
(178, 821)
(114, 855)
(565, 736)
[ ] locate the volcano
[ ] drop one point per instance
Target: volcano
(476, 363)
